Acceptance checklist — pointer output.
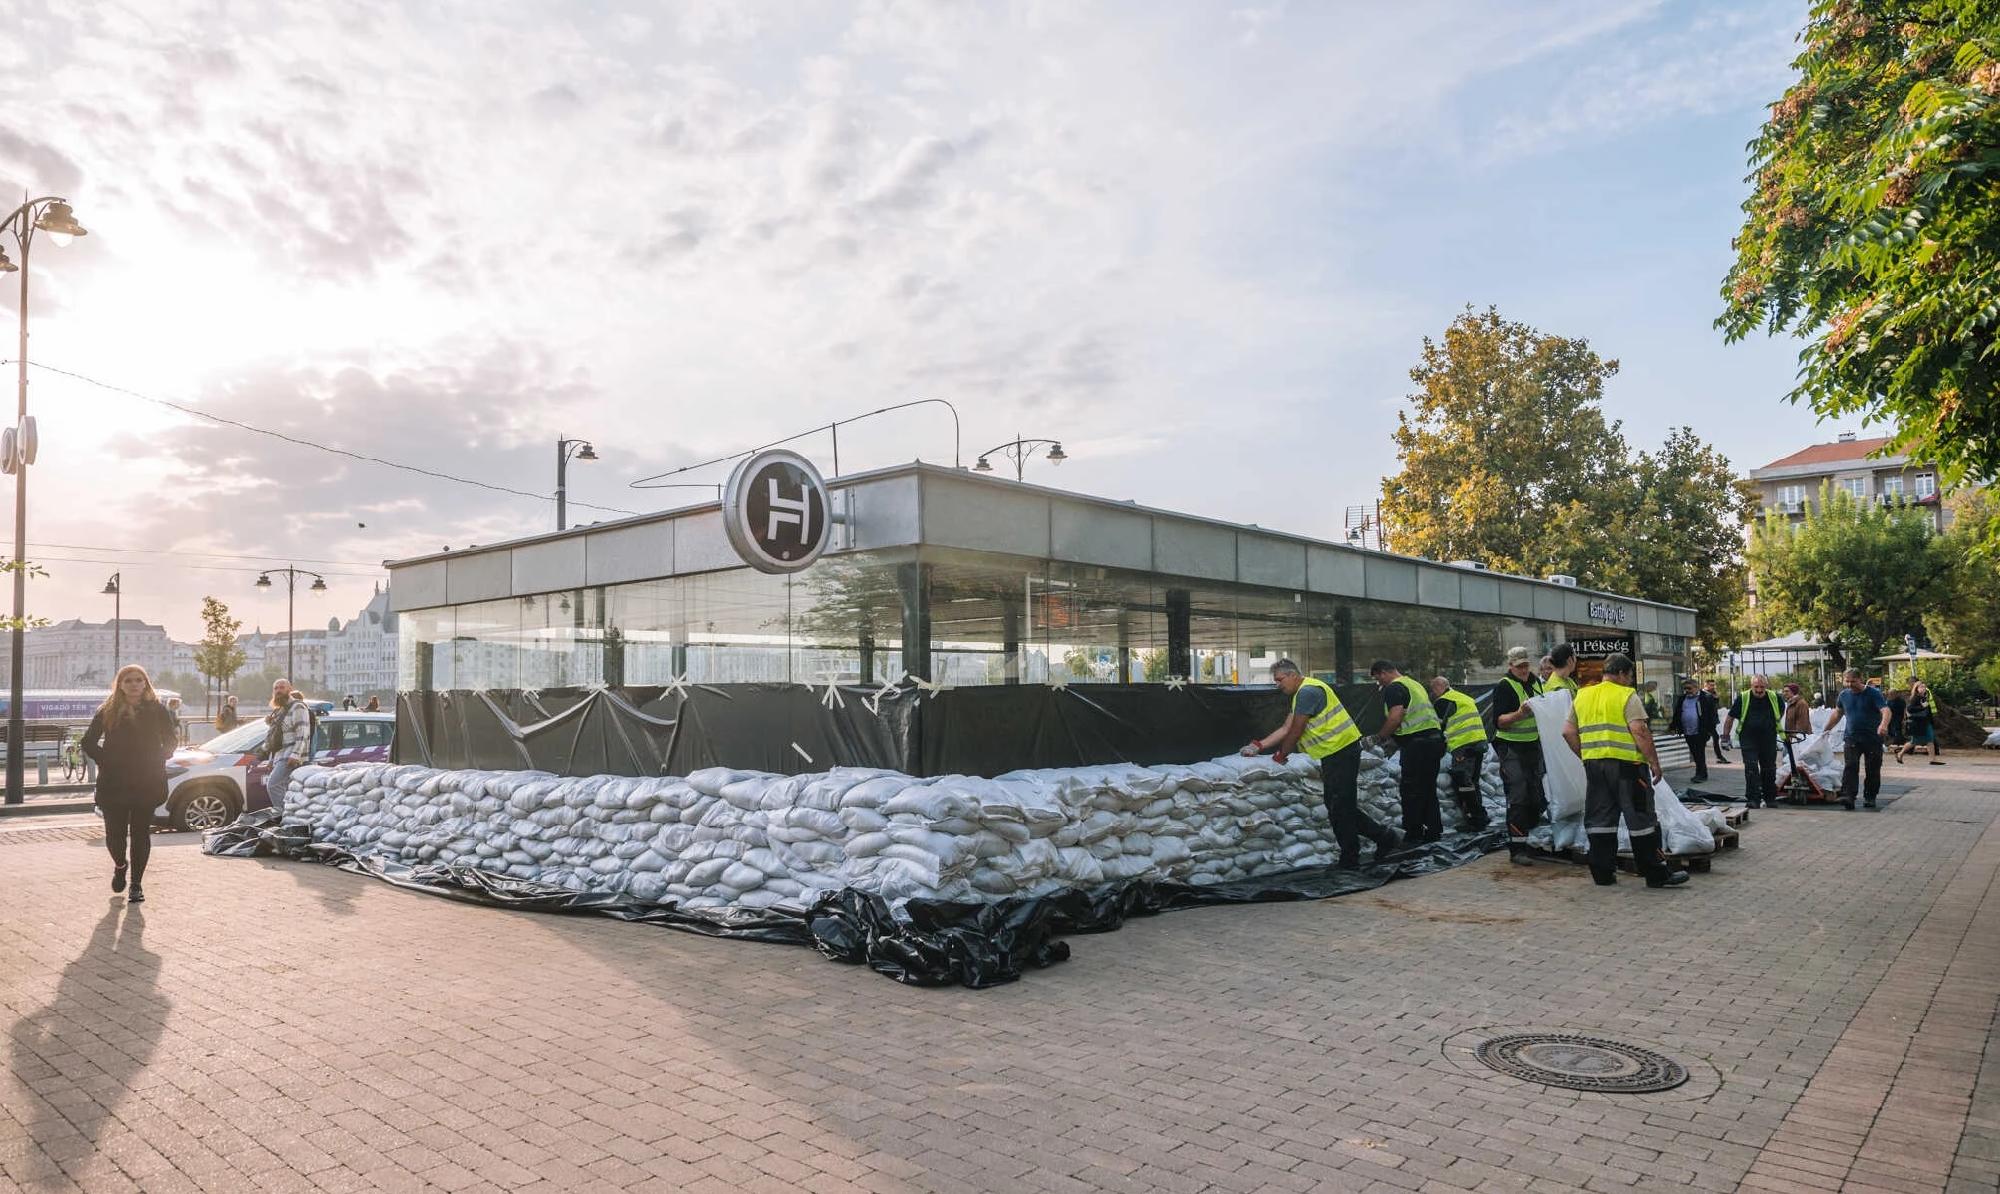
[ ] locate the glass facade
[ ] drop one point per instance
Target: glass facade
(987, 619)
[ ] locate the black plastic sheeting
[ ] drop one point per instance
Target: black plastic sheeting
(790, 729)
(937, 943)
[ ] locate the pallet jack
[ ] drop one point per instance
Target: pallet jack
(1800, 787)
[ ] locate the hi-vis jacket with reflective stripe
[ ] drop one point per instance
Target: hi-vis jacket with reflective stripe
(1420, 714)
(1332, 730)
(1601, 726)
(1463, 727)
(1523, 730)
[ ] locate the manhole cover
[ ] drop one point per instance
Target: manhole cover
(1581, 1063)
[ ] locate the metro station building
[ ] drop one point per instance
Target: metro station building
(965, 579)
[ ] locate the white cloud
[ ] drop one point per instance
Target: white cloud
(450, 233)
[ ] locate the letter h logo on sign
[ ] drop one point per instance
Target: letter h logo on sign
(785, 511)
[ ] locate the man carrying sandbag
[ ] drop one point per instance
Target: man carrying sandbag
(1607, 729)
(1465, 739)
(1411, 719)
(1518, 742)
(1320, 726)
(1759, 712)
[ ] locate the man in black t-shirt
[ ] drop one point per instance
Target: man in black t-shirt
(1759, 712)
(1411, 718)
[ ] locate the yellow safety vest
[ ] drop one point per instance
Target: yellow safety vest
(1331, 730)
(1420, 715)
(1601, 726)
(1523, 730)
(1777, 708)
(1557, 682)
(1463, 727)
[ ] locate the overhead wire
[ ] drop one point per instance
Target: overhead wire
(196, 412)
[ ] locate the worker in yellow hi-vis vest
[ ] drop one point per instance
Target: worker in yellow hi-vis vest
(1465, 739)
(1607, 728)
(1409, 717)
(1319, 725)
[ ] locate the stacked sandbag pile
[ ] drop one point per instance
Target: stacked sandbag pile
(721, 838)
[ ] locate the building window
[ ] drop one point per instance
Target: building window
(1926, 486)
(1892, 488)
(1792, 498)
(1856, 487)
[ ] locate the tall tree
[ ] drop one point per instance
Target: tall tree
(1504, 438)
(1855, 574)
(217, 656)
(1508, 459)
(1872, 231)
(1968, 623)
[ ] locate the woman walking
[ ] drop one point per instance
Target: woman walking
(130, 737)
(1922, 724)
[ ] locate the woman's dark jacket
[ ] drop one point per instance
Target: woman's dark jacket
(131, 756)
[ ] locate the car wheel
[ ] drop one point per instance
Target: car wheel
(204, 808)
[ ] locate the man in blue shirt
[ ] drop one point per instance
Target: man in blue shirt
(1866, 712)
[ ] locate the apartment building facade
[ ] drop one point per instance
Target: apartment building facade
(1791, 484)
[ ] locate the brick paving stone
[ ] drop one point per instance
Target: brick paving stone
(284, 1026)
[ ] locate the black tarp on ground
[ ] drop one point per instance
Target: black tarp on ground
(789, 728)
(938, 944)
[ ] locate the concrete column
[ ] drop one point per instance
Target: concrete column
(1180, 633)
(913, 582)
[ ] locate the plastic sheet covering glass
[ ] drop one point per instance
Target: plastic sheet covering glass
(931, 942)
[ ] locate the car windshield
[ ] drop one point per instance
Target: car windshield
(236, 741)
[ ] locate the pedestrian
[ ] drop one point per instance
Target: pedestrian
(1409, 717)
(288, 742)
(174, 711)
(1608, 730)
(1923, 724)
(1562, 673)
(1692, 721)
(1756, 714)
(1465, 740)
(229, 718)
(374, 705)
(1899, 703)
(1714, 723)
(1319, 725)
(129, 738)
(348, 703)
(1544, 669)
(1865, 712)
(1518, 742)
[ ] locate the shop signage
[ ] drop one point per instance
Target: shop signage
(1609, 612)
(1593, 649)
(776, 512)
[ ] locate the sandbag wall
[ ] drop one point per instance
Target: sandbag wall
(721, 838)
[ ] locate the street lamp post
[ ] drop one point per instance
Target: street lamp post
(565, 450)
(50, 214)
(1020, 450)
(291, 592)
(117, 595)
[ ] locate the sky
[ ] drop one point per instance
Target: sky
(1198, 244)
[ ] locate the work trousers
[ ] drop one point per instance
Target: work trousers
(1857, 758)
(1698, 751)
(1422, 819)
(1465, 764)
(1618, 790)
(133, 824)
(1337, 775)
(1760, 768)
(1521, 772)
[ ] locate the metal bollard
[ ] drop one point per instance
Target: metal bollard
(42, 770)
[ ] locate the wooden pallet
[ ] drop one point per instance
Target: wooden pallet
(1695, 863)
(1728, 839)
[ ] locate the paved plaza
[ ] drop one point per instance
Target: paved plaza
(280, 1026)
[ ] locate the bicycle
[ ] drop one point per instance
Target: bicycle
(71, 753)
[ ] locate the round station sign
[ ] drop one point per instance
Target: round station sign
(775, 511)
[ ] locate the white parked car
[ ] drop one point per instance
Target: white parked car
(212, 784)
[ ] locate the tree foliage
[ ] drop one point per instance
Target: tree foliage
(1872, 229)
(1507, 459)
(1855, 574)
(1968, 623)
(217, 656)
